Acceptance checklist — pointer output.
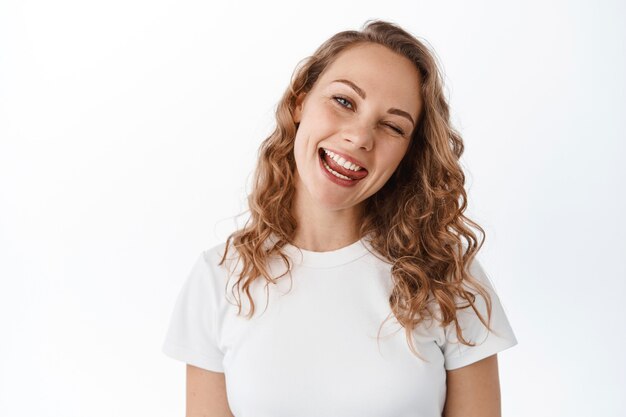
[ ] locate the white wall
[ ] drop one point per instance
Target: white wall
(129, 130)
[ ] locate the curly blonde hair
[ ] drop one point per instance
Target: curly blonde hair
(415, 221)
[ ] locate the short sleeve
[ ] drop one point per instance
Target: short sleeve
(191, 336)
(457, 354)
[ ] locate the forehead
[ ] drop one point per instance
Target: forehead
(382, 73)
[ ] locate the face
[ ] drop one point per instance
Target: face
(363, 109)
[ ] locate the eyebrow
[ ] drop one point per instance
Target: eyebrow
(362, 94)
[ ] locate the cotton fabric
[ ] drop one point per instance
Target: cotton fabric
(311, 348)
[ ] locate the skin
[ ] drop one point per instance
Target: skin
(474, 390)
(206, 393)
(328, 214)
(333, 115)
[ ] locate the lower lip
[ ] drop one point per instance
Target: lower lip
(336, 180)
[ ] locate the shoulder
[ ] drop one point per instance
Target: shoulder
(477, 272)
(487, 341)
(213, 256)
(215, 252)
(207, 273)
(220, 266)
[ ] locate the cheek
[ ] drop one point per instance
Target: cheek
(320, 120)
(299, 146)
(303, 144)
(400, 156)
(392, 155)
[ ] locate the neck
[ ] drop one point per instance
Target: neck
(321, 229)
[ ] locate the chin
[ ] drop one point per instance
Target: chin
(334, 202)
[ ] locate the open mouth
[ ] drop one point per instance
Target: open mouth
(351, 173)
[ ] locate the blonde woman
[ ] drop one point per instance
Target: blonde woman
(357, 250)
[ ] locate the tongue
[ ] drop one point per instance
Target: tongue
(355, 175)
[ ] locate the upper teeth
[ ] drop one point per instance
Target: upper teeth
(341, 161)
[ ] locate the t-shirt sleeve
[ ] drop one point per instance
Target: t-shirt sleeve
(457, 354)
(191, 336)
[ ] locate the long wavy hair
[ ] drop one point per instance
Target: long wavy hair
(415, 221)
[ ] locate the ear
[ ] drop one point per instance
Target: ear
(297, 113)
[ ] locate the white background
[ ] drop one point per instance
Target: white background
(128, 135)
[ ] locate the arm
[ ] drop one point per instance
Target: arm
(474, 390)
(206, 393)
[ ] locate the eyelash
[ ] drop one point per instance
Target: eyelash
(395, 129)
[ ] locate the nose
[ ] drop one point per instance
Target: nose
(360, 135)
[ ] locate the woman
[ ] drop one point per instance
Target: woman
(374, 302)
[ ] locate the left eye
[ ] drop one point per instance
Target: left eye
(398, 130)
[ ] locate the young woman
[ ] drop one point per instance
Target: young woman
(358, 250)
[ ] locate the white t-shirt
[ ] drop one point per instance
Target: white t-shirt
(311, 348)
